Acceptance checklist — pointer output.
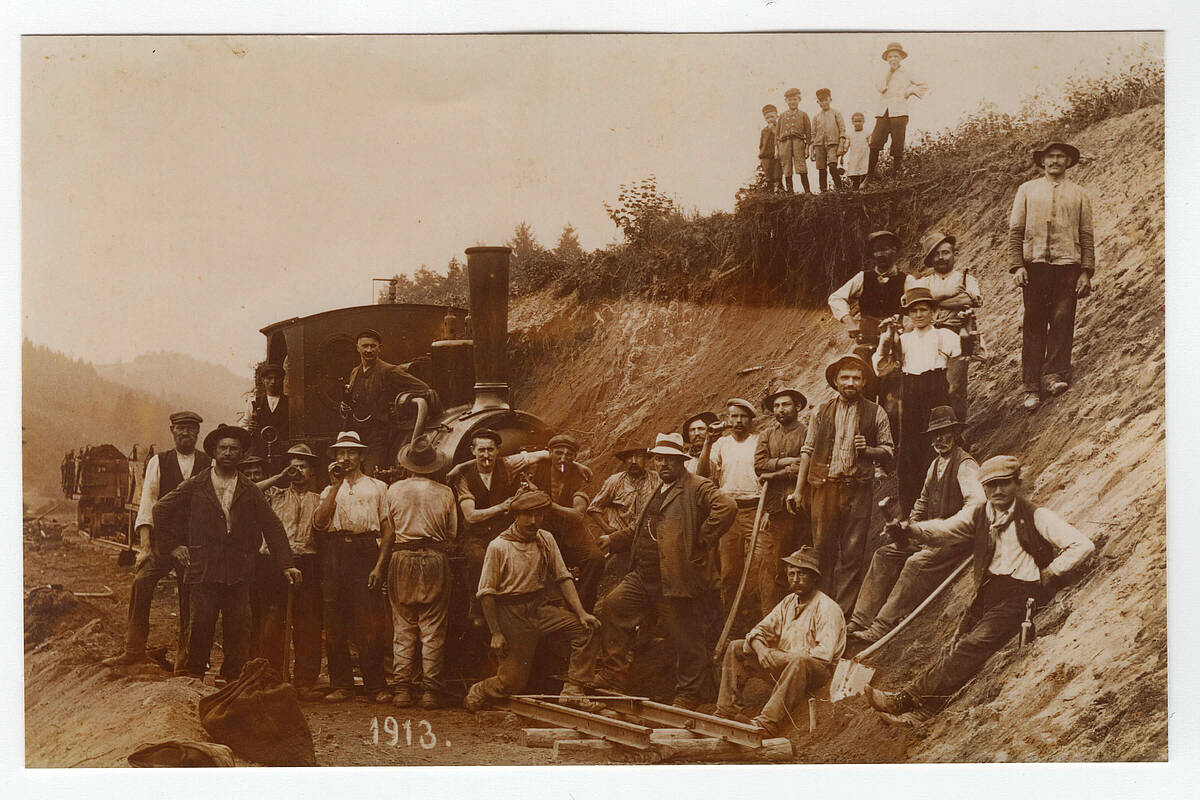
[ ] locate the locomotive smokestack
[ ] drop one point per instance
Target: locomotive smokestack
(487, 273)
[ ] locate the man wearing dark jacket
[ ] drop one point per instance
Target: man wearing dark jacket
(673, 548)
(214, 524)
(1020, 553)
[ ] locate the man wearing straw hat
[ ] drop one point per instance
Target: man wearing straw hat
(293, 500)
(425, 521)
(796, 647)
(847, 436)
(895, 86)
(1052, 252)
(672, 547)
(1021, 552)
(902, 574)
(777, 460)
(355, 531)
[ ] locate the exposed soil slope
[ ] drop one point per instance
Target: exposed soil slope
(1094, 683)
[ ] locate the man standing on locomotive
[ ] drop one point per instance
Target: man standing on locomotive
(374, 384)
(266, 414)
(164, 471)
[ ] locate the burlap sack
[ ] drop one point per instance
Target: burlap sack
(259, 717)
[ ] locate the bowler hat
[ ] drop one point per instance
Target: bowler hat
(798, 397)
(999, 468)
(180, 417)
(226, 432)
(893, 47)
(871, 237)
(832, 370)
(267, 369)
(932, 241)
(942, 417)
(804, 558)
(529, 501)
(708, 417)
(917, 294)
(422, 458)
(302, 451)
(1071, 151)
(563, 440)
(669, 444)
(347, 440)
(740, 403)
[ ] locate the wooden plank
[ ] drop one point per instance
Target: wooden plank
(594, 725)
(596, 750)
(546, 737)
(717, 727)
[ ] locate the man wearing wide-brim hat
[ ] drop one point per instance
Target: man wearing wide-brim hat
(795, 647)
(1021, 552)
(355, 531)
(902, 573)
(777, 461)
(425, 521)
(847, 437)
(215, 522)
(624, 494)
(1052, 253)
(672, 547)
(895, 85)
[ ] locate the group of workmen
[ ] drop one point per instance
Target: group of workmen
(751, 549)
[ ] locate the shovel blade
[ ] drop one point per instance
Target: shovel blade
(850, 678)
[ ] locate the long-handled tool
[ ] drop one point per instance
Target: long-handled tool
(287, 635)
(719, 653)
(1027, 629)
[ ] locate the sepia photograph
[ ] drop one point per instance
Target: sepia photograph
(555, 399)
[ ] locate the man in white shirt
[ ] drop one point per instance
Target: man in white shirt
(796, 647)
(164, 471)
(355, 531)
(955, 293)
(729, 462)
(1020, 554)
(895, 86)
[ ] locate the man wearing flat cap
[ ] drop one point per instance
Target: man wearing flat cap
(847, 437)
(426, 526)
(373, 386)
(1021, 553)
(521, 566)
(796, 646)
(695, 430)
(215, 522)
(777, 461)
(164, 471)
(1052, 253)
(563, 479)
(729, 462)
(267, 410)
(672, 551)
(895, 86)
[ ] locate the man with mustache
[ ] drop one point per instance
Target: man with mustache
(777, 460)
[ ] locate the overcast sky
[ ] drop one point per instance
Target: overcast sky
(180, 193)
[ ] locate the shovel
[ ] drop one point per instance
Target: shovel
(287, 635)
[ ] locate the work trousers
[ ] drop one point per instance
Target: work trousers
(841, 511)
(994, 617)
(582, 556)
(634, 602)
(792, 158)
(523, 625)
(1048, 327)
(268, 606)
(780, 536)
(731, 551)
(919, 394)
(141, 595)
(230, 601)
(791, 686)
(898, 579)
(419, 618)
(893, 127)
(353, 612)
(771, 173)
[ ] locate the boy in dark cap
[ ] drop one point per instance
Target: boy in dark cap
(829, 140)
(792, 135)
(768, 159)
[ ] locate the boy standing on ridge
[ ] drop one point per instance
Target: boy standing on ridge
(792, 136)
(828, 140)
(766, 149)
(858, 151)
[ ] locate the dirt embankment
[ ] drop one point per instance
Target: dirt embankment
(1093, 686)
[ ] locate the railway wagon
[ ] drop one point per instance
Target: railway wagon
(104, 488)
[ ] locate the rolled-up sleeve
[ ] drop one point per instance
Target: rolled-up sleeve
(770, 629)
(839, 301)
(151, 482)
(1073, 546)
(968, 483)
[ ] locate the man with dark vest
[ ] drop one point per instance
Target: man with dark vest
(902, 574)
(373, 386)
(164, 472)
(1020, 553)
(847, 437)
(214, 523)
(563, 480)
(673, 547)
(268, 411)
